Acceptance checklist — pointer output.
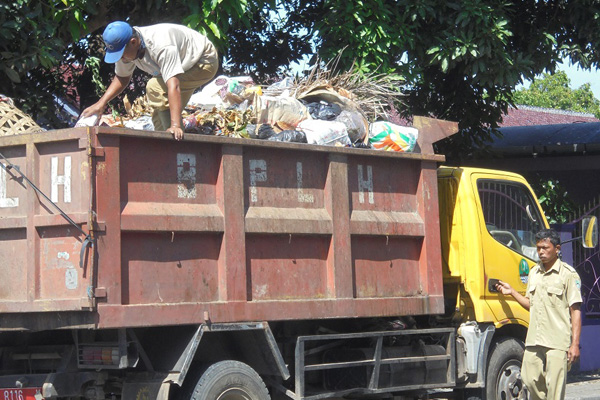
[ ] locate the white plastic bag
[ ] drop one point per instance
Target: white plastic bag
(87, 121)
(330, 133)
(143, 123)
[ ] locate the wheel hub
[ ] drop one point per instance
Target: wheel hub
(509, 384)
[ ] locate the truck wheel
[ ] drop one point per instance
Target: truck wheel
(230, 380)
(503, 380)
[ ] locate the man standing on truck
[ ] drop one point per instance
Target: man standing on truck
(553, 298)
(179, 59)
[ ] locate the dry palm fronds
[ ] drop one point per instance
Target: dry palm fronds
(139, 107)
(13, 121)
(372, 93)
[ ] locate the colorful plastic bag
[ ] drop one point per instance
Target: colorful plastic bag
(391, 137)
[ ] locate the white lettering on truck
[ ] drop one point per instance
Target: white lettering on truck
(258, 173)
(64, 180)
(71, 278)
(6, 202)
(186, 176)
(365, 184)
(302, 197)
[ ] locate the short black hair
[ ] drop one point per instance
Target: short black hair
(549, 234)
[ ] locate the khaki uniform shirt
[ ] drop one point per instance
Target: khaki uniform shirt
(551, 294)
(170, 50)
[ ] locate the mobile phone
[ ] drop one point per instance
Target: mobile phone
(492, 285)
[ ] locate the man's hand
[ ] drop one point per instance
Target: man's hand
(174, 95)
(176, 131)
(507, 290)
(504, 288)
(116, 86)
(95, 109)
(573, 353)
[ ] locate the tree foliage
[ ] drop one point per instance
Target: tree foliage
(554, 91)
(554, 199)
(461, 60)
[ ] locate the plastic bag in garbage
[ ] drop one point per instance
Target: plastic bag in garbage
(271, 110)
(391, 137)
(141, 123)
(330, 133)
(87, 121)
(324, 110)
(289, 136)
(356, 125)
(265, 131)
(281, 88)
(221, 91)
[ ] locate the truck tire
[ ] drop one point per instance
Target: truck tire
(230, 380)
(503, 378)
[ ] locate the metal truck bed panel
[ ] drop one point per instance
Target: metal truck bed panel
(214, 229)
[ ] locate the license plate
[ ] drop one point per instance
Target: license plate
(21, 394)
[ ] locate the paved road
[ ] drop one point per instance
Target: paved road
(584, 386)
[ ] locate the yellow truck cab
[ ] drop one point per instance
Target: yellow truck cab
(488, 222)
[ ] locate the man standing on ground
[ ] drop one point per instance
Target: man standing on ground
(553, 298)
(179, 59)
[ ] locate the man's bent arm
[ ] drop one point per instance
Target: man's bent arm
(118, 84)
(573, 353)
(506, 289)
(175, 107)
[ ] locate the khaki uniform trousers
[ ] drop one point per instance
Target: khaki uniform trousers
(189, 81)
(544, 373)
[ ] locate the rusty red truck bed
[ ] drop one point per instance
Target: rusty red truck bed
(211, 228)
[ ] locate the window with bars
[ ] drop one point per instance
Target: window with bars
(511, 215)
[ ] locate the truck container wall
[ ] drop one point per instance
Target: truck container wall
(212, 229)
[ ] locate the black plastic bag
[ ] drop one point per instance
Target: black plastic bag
(324, 110)
(265, 131)
(289, 136)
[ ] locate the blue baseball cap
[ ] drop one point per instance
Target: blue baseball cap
(116, 36)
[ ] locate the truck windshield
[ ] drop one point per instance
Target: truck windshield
(511, 215)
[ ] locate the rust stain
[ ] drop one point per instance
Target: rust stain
(84, 168)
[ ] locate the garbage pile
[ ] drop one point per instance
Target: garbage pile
(321, 109)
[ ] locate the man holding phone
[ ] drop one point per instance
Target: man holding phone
(553, 298)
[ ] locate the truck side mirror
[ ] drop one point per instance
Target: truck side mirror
(589, 232)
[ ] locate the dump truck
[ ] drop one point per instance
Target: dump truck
(137, 267)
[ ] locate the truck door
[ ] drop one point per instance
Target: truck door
(511, 218)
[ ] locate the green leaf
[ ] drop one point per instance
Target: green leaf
(444, 65)
(74, 29)
(12, 75)
(214, 29)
